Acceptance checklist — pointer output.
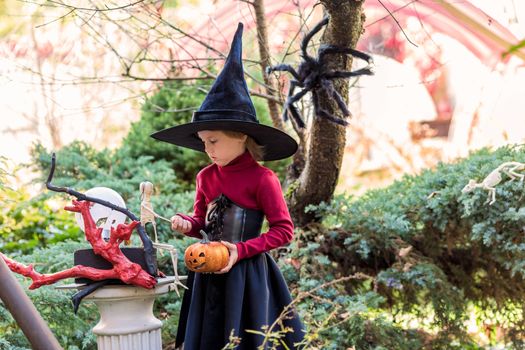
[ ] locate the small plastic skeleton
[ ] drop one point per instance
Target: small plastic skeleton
(495, 178)
(148, 215)
(174, 257)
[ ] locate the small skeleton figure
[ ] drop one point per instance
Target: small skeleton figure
(147, 215)
(174, 259)
(495, 178)
(146, 209)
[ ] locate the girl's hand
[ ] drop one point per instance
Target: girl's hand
(180, 224)
(232, 248)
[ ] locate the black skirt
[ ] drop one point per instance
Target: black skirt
(251, 295)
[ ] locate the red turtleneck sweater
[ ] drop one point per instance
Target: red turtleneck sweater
(252, 186)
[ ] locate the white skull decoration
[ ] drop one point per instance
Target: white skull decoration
(103, 216)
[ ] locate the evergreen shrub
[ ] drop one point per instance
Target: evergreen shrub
(434, 253)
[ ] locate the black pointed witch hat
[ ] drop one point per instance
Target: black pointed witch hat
(228, 106)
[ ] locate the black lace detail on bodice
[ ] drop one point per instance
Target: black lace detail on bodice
(215, 217)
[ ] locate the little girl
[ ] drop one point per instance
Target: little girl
(233, 195)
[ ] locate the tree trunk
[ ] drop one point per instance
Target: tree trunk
(326, 142)
(264, 53)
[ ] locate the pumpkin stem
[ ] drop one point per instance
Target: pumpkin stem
(204, 236)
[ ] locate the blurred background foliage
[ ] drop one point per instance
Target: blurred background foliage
(416, 265)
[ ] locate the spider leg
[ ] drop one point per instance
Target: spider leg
(298, 95)
(289, 105)
(333, 119)
(344, 74)
(323, 113)
(341, 103)
(331, 49)
(310, 34)
(315, 102)
(283, 68)
(329, 87)
(296, 116)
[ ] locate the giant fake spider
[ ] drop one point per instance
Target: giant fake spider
(313, 75)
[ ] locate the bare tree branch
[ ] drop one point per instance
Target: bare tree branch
(397, 22)
(74, 8)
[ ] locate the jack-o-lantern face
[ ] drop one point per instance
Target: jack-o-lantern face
(206, 256)
(196, 262)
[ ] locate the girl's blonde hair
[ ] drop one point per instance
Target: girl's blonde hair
(256, 150)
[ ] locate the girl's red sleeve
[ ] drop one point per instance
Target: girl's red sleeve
(199, 212)
(271, 201)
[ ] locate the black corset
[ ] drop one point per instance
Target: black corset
(227, 221)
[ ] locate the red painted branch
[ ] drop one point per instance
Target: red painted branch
(123, 268)
(127, 271)
(42, 279)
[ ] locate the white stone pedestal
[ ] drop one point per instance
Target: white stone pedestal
(126, 316)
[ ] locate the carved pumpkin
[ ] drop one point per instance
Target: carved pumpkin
(206, 256)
